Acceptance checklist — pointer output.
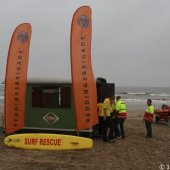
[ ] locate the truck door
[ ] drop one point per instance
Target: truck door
(104, 90)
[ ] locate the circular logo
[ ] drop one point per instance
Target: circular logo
(22, 37)
(161, 166)
(83, 21)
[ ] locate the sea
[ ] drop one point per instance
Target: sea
(134, 97)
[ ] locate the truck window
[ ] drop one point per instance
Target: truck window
(51, 97)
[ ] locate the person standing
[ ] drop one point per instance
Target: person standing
(107, 124)
(101, 118)
(148, 118)
(114, 129)
(122, 115)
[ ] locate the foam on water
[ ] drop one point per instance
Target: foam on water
(135, 97)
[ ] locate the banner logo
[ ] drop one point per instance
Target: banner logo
(50, 118)
(83, 21)
(22, 37)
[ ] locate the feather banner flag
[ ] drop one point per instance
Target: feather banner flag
(16, 78)
(83, 82)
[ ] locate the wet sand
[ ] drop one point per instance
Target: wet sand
(132, 153)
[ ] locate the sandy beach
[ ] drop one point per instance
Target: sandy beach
(133, 152)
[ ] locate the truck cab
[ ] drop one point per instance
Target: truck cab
(163, 114)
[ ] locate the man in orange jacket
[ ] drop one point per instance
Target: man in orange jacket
(148, 118)
(122, 115)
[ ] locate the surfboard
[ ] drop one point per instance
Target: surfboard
(42, 141)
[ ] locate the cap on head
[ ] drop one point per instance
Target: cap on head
(118, 97)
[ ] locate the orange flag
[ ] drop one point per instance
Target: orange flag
(83, 82)
(16, 78)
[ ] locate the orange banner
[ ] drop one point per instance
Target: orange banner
(83, 82)
(16, 78)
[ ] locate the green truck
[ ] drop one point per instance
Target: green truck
(50, 107)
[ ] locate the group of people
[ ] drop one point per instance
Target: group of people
(112, 115)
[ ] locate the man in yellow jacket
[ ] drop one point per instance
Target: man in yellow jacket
(122, 114)
(114, 115)
(107, 124)
(101, 118)
(148, 118)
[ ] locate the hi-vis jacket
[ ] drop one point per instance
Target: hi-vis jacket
(149, 112)
(100, 109)
(106, 107)
(121, 109)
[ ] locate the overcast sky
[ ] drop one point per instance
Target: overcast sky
(130, 38)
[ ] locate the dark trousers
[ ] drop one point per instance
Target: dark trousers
(100, 125)
(107, 125)
(121, 126)
(148, 129)
(116, 129)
